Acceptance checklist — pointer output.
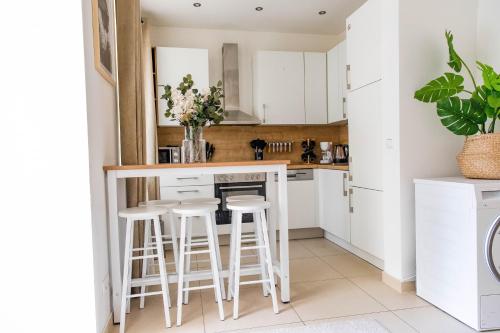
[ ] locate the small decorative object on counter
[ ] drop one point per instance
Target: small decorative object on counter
(308, 147)
(258, 146)
(469, 112)
(194, 110)
(326, 153)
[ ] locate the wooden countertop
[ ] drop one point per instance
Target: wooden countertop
(299, 166)
(193, 165)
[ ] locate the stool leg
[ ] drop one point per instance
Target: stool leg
(262, 256)
(131, 254)
(173, 233)
(232, 249)
(126, 268)
(187, 266)
(269, 259)
(217, 253)
(213, 264)
(180, 280)
(163, 270)
(145, 261)
(237, 260)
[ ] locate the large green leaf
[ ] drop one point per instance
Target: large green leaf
(490, 78)
(455, 62)
(460, 116)
(444, 86)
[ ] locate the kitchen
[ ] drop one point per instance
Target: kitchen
(312, 165)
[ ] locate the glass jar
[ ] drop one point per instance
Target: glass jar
(193, 145)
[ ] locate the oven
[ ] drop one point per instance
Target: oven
(227, 185)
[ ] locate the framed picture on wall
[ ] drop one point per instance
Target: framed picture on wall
(103, 31)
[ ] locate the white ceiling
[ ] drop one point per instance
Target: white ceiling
(295, 16)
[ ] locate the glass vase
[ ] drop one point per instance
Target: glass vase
(193, 145)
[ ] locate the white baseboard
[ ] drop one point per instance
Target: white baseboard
(353, 249)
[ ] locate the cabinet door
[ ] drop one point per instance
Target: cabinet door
(363, 34)
(334, 203)
(334, 107)
(172, 64)
(279, 87)
(315, 87)
(367, 227)
(301, 204)
(365, 137)
(343, 78)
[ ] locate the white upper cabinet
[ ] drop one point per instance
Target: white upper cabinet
(279, 87)
(315, 87)
(363, 31)
(172, 64)
(337, 89)
(365, 137)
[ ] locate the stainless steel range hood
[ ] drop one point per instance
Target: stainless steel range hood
(231, 80)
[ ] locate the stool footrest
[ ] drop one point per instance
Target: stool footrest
(198, 244)
(144, 257)
(211, 286)
(149, 248)
(152, 293)
(254, 282)
(249, 240)
(245, 248)
(197, 252)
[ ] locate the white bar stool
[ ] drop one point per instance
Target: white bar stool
(148, 214)
(258, 209)
(208, 201)
(168, 220)
(187, 212)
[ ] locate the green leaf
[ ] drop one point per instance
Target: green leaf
(455, 62)
(494, 100)
(444, 86)
(460, 116)
(490, 77)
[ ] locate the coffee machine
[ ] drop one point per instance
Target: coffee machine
(326, 152)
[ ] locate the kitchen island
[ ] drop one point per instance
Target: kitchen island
(116, 176)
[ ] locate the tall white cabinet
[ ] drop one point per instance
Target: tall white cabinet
(365, 128)
(172, 64)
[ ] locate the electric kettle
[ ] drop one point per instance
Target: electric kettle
(340, 153)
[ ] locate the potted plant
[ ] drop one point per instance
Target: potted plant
(471, 113)
(194, 110)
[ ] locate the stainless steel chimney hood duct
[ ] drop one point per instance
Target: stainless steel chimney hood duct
(231, 81)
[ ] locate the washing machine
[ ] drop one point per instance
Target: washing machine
(458, 248)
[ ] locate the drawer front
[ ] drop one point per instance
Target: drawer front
(186, 192)
(187, 180)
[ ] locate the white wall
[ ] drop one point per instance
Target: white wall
(102, 142)
(46, 238)
(488, 33)
(248, 43)
(422, 147)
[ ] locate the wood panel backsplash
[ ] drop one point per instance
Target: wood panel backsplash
(232, 143)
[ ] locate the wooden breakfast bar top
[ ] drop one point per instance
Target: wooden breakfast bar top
(116, 200)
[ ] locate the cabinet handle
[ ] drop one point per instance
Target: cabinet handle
(344, 180)
(347, 71)
(186, 178)
(351, 208)
(343, 108)
(189, 191)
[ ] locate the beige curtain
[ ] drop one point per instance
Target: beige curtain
(137, 132)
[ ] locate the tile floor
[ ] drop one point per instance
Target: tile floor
(328, 284)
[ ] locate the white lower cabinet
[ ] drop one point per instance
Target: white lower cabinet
(301, 204)
(367, 225)
(333, 202)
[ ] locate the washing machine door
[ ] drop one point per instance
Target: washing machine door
(492, 249)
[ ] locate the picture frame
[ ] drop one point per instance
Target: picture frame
(104, 38)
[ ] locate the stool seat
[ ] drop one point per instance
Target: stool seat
(248, 205)
(163, 203)
(206, 200)
(244, 197)
(146, 212)
(194, 209)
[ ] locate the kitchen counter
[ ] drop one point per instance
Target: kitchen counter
(194, 165)
(299, 166)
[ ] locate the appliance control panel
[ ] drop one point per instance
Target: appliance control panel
(240, 177)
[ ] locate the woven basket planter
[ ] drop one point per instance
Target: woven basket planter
(480, 157)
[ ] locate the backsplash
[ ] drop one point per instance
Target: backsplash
(232, 143)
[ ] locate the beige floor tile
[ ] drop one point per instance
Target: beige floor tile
(265, 328)
(311, 269)
(432, 320)
(331, 298)
(255, 310)
(351, 266)
(151, 318)
(322, 247)
(389, 297)
(297, 251)
(388, 320)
